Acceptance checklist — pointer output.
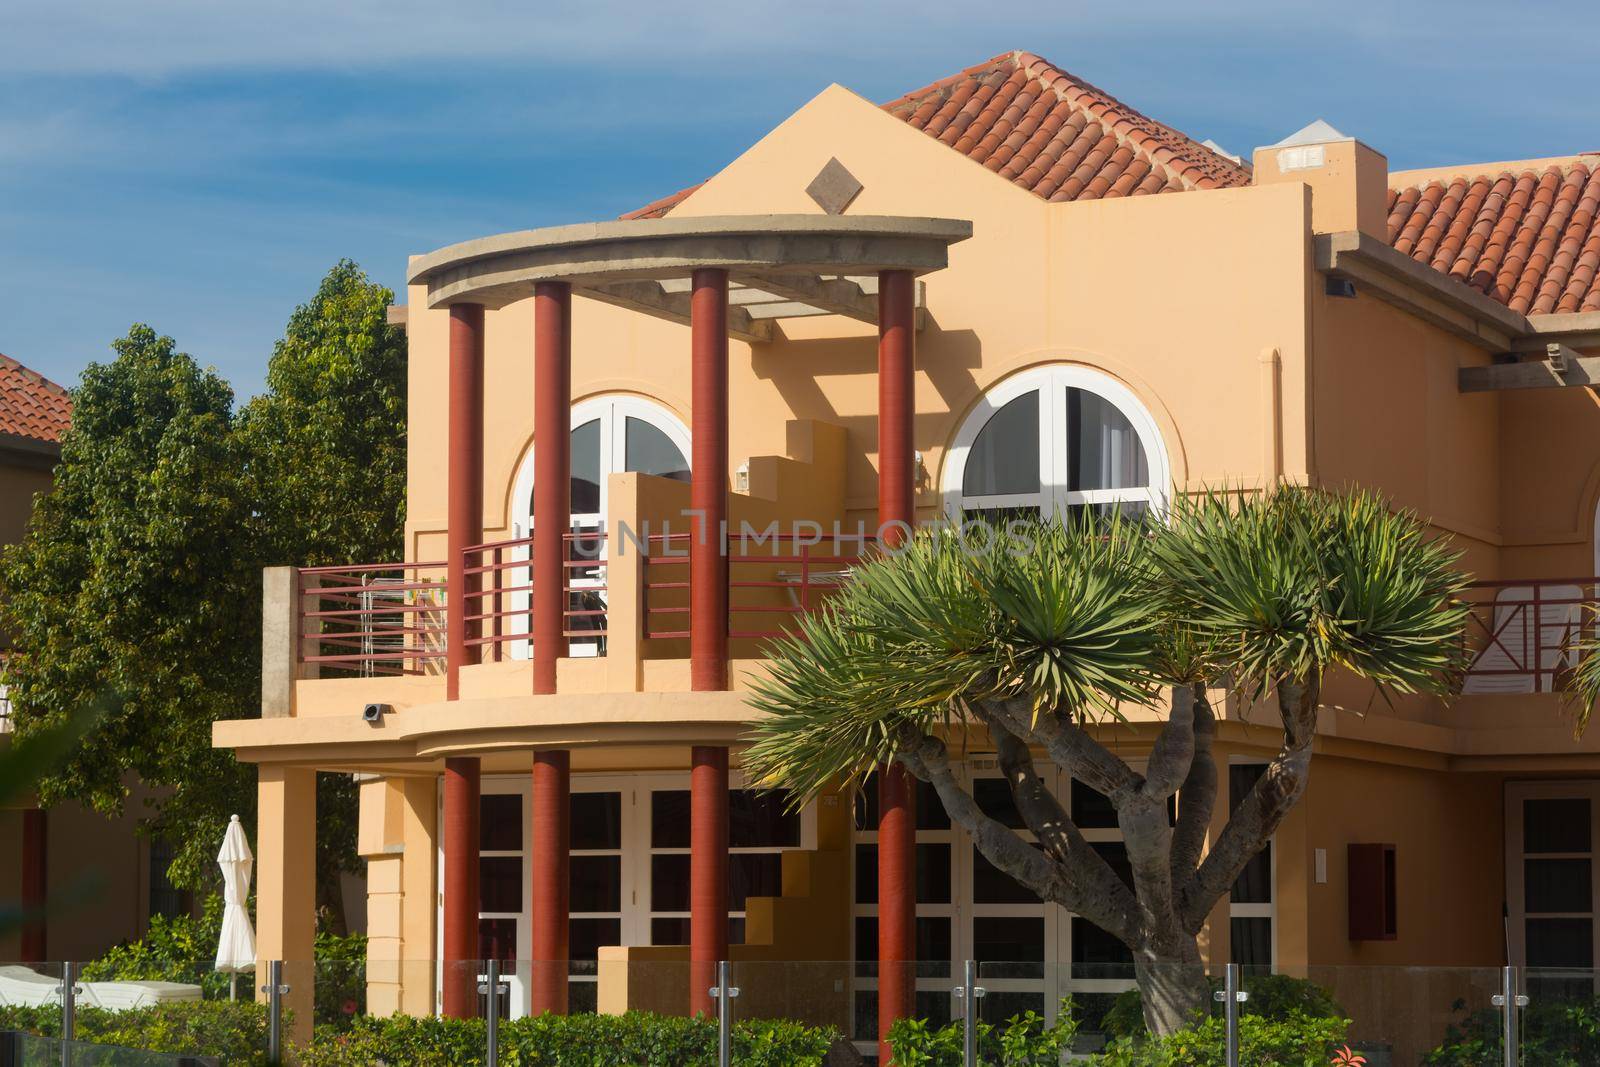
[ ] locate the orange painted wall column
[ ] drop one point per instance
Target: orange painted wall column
(897, 827)
(550, 887)
(35, 883)
(708, 873)
(462, 783)
(464, 515)
(552, 479)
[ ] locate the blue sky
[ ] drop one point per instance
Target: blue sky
(199, 164)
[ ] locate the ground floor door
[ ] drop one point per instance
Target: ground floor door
(629, 878)
(1030, 955)
(1552, 895)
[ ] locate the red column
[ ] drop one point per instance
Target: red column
(550, 849)
(897, 901)
(35, 883)
(897, 827)
(897, 358)
(708, 481)
(708, 630)
(708, 873)
(464, 487)
(552, 476)
(461, 784)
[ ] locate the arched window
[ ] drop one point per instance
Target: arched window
(1058, 438)
(611, 434)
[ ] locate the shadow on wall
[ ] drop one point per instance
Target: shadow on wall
(798, 368)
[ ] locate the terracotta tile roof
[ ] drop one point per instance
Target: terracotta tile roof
(1049, 132)
(31, 405)
(655, 209)
(1058, 136)
(1529, 238)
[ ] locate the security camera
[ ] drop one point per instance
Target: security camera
(375, 712)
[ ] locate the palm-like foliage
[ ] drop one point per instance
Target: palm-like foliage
(1080, 620)
(1290, 585)
(1044, 611)
(1583, 686)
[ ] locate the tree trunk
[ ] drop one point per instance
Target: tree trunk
(1173, 986)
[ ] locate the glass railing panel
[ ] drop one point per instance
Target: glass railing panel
(1395, 1015)
(1561, 1022)
(807, 1007)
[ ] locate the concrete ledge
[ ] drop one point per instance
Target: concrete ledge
(498, 270)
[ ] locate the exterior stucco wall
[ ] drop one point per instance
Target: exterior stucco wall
(1550, 453)
(1389, 416)
(1118, 285)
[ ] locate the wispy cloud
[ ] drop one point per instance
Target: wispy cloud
(199, 163)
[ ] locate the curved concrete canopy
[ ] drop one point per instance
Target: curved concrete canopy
(799, 254)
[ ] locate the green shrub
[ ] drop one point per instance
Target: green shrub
(1021, 1041)
(236, 1032)
(1296, 1040)
(1555, 1033)
(566, 1041)
(182, 949)
(341, 988)
(1272, 996)
(176, 949)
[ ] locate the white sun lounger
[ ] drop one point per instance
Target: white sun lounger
(122, 996)
(26, 987)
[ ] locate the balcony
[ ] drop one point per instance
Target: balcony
(1522, 633)
(627, 612)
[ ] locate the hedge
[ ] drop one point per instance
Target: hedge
(568, 1041)
(234, 1031)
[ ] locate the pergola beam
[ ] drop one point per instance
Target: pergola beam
(1561, 368)
(836, 296)
(654, 298)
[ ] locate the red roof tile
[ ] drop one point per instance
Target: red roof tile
(1527, 238)
(31, 405)
(1058, 136)
(1049, 132)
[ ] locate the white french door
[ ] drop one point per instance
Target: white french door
(1552, 895)
(629, 860)
(1030, 954)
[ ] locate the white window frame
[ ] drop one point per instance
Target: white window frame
(1516, 890)
(1057, 980)
(1051, 383)
(613, 411)
(635, 853)
(1268, 911)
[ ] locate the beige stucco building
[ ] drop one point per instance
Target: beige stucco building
(1105, 313)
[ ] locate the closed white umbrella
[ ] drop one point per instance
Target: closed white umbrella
(236, 949)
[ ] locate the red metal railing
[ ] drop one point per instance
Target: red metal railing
(774, 577)
(1522, 632)
(374, 619)
(499, 611)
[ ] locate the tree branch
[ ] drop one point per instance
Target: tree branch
(1068, 745)
(1198, 797)
(927, 758)
(1104, 899)
(1173, 753)
(1258, 816)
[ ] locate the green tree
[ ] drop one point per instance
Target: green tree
(326, 444)
(140, 572)
(136, 575)
(325, 465)
(1038, 635)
